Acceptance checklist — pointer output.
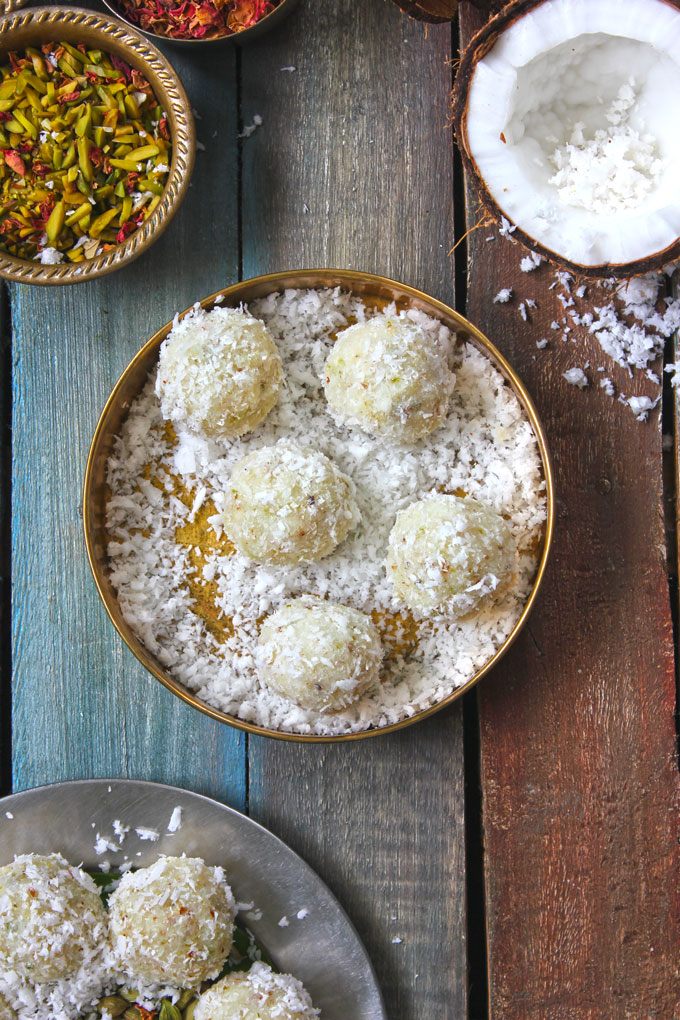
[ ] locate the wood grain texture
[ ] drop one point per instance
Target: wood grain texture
(578, 742)
(5, 542)
(352, 168)
(83, 707)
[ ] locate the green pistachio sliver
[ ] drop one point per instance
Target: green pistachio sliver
(125, 164)
(188, 1011)
(84, 162)
(103, 221)
(77, 55)
(80, 213)
(143, 153)
(26, 123)
(55, 222)
(84, 123)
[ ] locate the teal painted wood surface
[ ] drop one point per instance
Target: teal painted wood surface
(82, 705)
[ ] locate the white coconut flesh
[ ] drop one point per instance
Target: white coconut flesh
(573, 125)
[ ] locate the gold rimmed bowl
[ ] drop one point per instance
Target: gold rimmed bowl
(244, 35)
(374, 290)
(54, 24)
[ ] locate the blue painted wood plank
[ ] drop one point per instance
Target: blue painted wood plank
(83, 707)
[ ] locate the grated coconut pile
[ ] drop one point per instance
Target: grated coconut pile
(486, 448)
(615, 169)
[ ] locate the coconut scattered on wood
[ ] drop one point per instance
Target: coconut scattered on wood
(564, 116)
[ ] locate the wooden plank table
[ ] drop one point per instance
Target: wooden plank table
(529, 836)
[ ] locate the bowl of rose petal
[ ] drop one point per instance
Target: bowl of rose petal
(193, 21)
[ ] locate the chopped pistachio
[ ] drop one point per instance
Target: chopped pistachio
(76, 139)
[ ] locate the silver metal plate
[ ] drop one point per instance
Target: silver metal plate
(323, 950)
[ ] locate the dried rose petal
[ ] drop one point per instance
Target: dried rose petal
(15, 162)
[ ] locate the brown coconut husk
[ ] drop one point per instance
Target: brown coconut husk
(477, 48)
(434, 11)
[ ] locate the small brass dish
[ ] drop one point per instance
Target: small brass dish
(52, 24)
(373, 289)
(247, 35)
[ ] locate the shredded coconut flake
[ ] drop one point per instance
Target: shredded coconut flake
(486, 447)
(250, 129)
(530, 262)
(576, 377)
(149, 834)
(175, 823)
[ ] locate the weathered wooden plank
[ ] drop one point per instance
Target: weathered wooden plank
(5, 557)
(352, 167)
(579, 775)
(82, 705)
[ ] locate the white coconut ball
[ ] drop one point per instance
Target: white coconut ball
(172, 922)
(219, 372)
(388, 377)
(259, 994)
(288, 504)
(52, 920)
(318, 654)
(449, 555)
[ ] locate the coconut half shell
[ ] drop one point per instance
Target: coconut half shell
(563, 111)
(434, 11)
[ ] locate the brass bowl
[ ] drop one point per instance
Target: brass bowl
(247, 35)
(135, 376)
(9, 6)
(52, 24)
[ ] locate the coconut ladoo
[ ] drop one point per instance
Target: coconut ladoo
(565, 116)
(259, 994)
(450, 556)
(288, 504)
(219, 373)
(318, 654)
(52, 921)
(388, 378)
(172, 922)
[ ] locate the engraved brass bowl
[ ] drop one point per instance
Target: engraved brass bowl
(135, 376)
(265, 24)
(52, 24)
(9, 6)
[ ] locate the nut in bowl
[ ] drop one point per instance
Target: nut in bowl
(256, 574)
(98, 145)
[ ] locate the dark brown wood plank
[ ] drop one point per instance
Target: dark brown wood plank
(578, 742)
(352, 167)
